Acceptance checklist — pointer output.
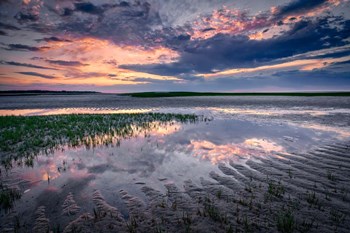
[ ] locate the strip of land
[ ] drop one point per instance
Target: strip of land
(183, 94)
(44, 92)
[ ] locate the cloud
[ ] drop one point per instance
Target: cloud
(9, 27)
(225, 51)
(66, 63)
(26, 17)
(21, 47)
(342, 63)
(124, 24)
(60, 62)
(36, 75)
(53, 39)
(87, 7)
(261, 25)
(12, 63)
(305, 65)
(29, 11)
(4, 1)
(297, 7)
(84, 75)
(150, 41)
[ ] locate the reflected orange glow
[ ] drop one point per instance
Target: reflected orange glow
(278, 112)
(220, 153)
(214, 153)
(59, 111)
(163, 130)
(154, 129)
(342, 132)
(263, 144)
(46, 173)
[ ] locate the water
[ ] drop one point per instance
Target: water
(242, 132)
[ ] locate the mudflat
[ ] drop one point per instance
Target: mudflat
(109, 163)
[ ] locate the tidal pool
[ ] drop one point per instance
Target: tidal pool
(229, 170)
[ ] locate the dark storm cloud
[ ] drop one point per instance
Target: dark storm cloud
(123, 23)
(12, 63)
(341, 63)
(78, 74)
(36, 75)
(67, 12)
(26, 17)
(298, 7)
(8, 27)
(324, 77)
(59, 62)
(224, 51)
(334, 54)
(290, 80)
(88, 7)
(21, 47)
(66, 63)
(53, 39)
(2, 33)
(4, 1)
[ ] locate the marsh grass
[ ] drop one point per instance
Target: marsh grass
(23, 137)
(336, 216)
(330, 176)
(306, 225)
(7, 197)
(312, 199)
(274, 189)
(285, 222)
(131, 225)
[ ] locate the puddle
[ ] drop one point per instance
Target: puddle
(60, 111)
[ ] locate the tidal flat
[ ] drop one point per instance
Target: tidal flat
(215, 164)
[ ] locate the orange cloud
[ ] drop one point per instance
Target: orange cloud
(225, 21)
(305, 65)
(235, 22)
(311, 13)
(101, 59)
(98, 50)
(99, 53)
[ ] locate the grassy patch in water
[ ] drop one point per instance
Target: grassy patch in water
(7, 197)
(26, 136)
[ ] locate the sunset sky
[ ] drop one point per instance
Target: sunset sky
(175, 45)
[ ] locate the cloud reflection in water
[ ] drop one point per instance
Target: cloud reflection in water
(215, 153)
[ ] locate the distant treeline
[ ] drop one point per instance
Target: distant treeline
(43, 92)
(179, 94)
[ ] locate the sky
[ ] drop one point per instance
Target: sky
(175, 45)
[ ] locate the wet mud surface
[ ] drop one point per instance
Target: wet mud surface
(243, 169)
